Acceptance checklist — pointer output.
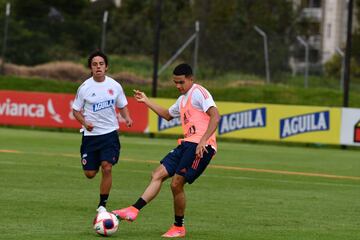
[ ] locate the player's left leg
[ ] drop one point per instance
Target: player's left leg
(188, 170)
(177, 188)
(106, 182)
(109, 156)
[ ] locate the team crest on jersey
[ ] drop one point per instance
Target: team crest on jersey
(111, 92)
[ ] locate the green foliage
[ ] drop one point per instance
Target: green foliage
(333, 67)
(36, 84)
(276, 94)
(36, 37)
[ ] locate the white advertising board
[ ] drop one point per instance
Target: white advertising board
(350, 127)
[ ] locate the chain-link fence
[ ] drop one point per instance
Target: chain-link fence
(233, 49)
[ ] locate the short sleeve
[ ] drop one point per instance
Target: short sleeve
(202, 99)
(79, 102)
(121, 100)
(174, 110)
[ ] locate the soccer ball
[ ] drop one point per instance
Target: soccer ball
(106, 224)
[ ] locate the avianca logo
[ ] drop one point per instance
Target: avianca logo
(12, 109)
(164, 124)
(318, 121)
(252, 118)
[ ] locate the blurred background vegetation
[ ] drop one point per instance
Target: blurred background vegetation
(51, 40)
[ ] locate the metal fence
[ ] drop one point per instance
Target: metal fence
(252, 54)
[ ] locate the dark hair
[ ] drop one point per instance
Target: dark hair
(97, 53)
(183, 69)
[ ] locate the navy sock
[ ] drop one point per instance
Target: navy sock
(179, 221)
(140, 203)
(103, 200)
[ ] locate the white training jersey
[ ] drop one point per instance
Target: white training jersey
(98, 101)
(201, 99)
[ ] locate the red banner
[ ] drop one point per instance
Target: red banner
(55, 110)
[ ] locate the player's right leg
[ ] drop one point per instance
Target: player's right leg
(89, 156)
(167, 169)
(157, 178)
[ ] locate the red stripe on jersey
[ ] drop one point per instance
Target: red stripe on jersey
(203, 92)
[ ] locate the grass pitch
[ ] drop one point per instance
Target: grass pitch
(249, 191)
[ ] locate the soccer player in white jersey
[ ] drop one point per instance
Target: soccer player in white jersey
(95, 109)
(185, 163)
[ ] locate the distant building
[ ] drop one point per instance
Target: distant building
(328, 21)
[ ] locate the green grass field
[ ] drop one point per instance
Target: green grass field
(250, 191)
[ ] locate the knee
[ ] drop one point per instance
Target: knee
(155, 176)
(176, 186)
(106, 170)
(90, 174)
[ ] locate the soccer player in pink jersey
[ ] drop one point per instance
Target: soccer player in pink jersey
(199, 118)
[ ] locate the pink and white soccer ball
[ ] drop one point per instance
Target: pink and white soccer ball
(106, 223)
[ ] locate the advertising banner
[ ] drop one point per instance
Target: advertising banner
(307, 124)
(54, 110)
(265, 122)
(350, 127)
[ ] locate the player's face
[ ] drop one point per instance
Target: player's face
(98, 68)
(182, 83)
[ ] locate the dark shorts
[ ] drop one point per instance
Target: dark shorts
(182, 161)
(95, 149)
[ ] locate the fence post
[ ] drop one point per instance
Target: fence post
(103, 35)
(306, 74)
(342, 55)
(196, 47)
(266, 53)
(7, 14)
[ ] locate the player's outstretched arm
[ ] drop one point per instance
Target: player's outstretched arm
(159, 110)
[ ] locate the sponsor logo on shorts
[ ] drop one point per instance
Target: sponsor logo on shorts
(317, 121)
(252, 118)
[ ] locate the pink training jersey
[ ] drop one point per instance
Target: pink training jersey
(195, 122)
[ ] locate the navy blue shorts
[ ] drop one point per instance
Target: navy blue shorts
(95, 149)
(182, 161)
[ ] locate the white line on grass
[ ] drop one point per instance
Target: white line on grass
(323, 175)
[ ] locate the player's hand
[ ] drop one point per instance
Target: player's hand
(140, 96)
(89, 126)
(200, 149)
(129, 122)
